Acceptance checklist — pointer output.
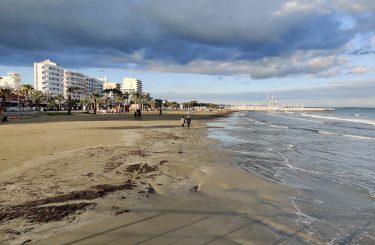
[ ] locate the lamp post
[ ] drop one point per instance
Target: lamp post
(18, 100)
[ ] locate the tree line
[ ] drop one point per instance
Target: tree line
(27, 96)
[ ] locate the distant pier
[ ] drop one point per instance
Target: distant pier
(273, 105)
(270, 108)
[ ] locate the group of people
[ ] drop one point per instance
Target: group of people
(138, 116)
(185, 120)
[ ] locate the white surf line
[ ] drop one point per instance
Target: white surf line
(347, 135)
(363, 121)
(296, 118)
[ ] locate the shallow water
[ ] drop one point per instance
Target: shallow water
(329, 157)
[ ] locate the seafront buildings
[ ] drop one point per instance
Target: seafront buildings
(53, 80)
(49, 77)
(12, 80)
(76, 80)
(132, 85)
(94, 85)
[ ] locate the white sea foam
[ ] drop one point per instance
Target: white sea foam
(291, 166)
(363, 121)
(276, 126)
(297, 118)
(347, 135)
(302, 217)
(325, 132)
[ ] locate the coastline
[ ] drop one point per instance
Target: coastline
(160, 182)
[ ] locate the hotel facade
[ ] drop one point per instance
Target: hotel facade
(132, 85)
(77, 80)
(49, 77)
(52, 79)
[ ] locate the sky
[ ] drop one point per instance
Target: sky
(320, 52)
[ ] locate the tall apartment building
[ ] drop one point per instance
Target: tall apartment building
(94, 85)
(12, 80)
(131, 85)
(76, 80)
(48, 77)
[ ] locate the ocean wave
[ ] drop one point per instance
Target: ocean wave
(347, 135)
(291, 166)
(305, 129)
(268, 124)
(276, 126)
(363, 121)
(297, 118)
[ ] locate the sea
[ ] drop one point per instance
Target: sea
(327, 157)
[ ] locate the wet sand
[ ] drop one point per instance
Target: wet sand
(108, 179)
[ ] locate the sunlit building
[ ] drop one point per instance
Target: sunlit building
(12, 80)
(49, 77)
(111, 85)
(131, 85)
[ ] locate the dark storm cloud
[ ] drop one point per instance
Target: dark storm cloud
(114, 33)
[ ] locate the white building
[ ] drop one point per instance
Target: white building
(12, 80)
(94, 85)
(76, 80)
(131, 85)
(111, 85)
(48, 77)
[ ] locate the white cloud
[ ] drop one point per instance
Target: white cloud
(359, 70)
(355, 5)
(298, 6)
(300, 63)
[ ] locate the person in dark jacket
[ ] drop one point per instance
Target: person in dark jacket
(188, 121)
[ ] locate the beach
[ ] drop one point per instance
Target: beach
(108, 179)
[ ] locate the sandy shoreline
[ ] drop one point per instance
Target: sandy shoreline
(129, 182)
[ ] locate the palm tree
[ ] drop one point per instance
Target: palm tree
(125, 95)
(136, 98)
(85, 102)
(101, 101)
(59, 98)
(70, 90)
(50, 104)
(95, 97)
(4, 93)
(36, 96)
(25, 90)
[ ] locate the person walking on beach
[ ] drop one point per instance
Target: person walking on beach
(188, 121)
(160, 111)
(183, 121)
(139, 114)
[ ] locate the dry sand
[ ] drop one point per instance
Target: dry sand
(108, 179)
